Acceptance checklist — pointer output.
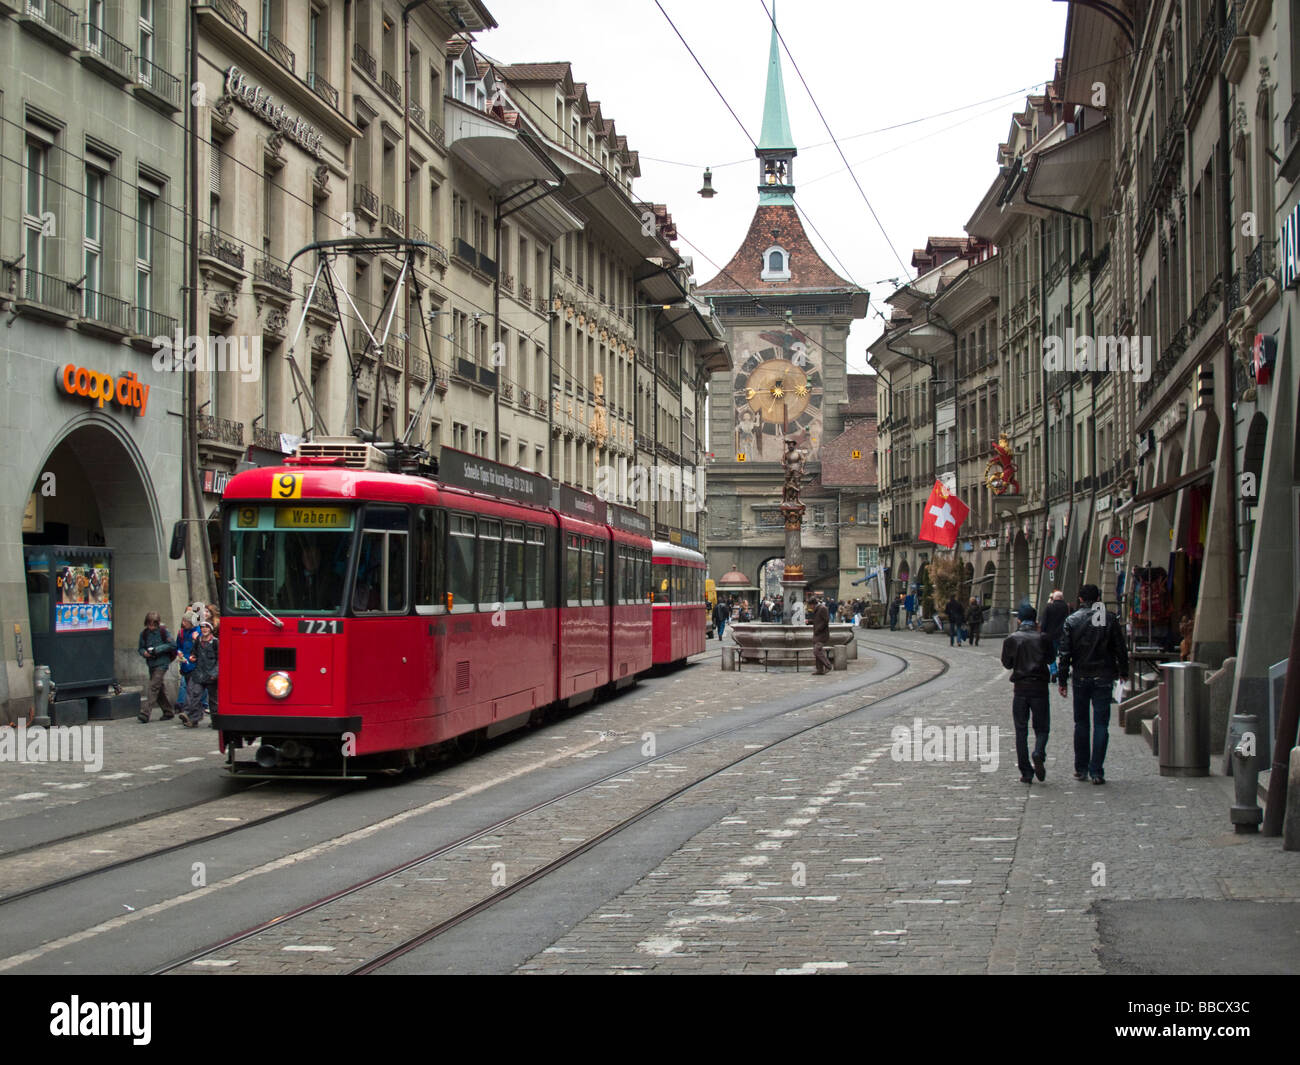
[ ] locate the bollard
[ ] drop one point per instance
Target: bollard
(1246, 814)
(43, 694)
(729, 657)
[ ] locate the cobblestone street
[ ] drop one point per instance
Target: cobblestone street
(837, 857)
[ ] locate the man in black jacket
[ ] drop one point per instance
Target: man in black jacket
(819, 617)
(1054, 615)
(1027, 653)
(1092, 642)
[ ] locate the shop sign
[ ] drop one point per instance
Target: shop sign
(968, 545)
(690, 541)
(989, 541)
(1103, 504)
(127, 391)
(262, 104)
(675, 537)
(215, 481)
(1290, 250)
(1145, 443)
(1171, 419)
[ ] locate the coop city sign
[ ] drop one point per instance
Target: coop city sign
(127, 391)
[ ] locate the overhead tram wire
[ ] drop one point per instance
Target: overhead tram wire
(817, 107)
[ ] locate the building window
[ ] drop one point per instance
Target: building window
(144, 42)
(459, 436)
(480, 442)
(92, 243)
(34, 212)
(144, 237)
(776, 264)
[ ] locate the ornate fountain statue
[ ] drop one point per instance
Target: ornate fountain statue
(792, 510)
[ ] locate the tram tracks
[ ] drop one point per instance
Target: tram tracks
(368, 925)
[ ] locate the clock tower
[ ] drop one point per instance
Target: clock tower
(787, 316)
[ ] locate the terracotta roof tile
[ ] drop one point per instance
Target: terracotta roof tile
(839, 468)
(536, 71)
(808, 271)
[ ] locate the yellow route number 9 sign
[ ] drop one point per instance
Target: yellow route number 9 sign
(287, 486)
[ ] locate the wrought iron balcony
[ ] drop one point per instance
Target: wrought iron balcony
(525, 294)
(221, 431)
(221, 249)
(105, 51)
(320, 299)
(439, 135)
(539, 304)
(438, 254)
(51, 16)
(266, 439)
(269, 272)
(50, 291)
(416, 112)
(278, 50)
(106, 310)
(365, 61)
(1259, 264)
(1233, 298)
(152, 324)
(391, 87)
(232, 13)
(508, 282)
(392, 218)
(323, 88)
(153, 79)
(1229, 27)
(363, 199)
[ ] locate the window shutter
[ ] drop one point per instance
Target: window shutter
(214, 168)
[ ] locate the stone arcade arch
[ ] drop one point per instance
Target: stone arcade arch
(104, 495)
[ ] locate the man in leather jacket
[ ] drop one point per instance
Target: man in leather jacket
(1092, 643)
(1028, 653)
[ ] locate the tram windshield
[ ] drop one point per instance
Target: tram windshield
(292, 559)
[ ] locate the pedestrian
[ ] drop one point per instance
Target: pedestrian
(203, 678)
(1092, 643)
(1054, 616)
(820, 620)
(213, 614)
(778, 610)
(974, 619)
(909, 607)
(895, 605)
(184, 645)
(956, 621)
(1027, 652)
(721, 615)
(157, 649)
(765, 611)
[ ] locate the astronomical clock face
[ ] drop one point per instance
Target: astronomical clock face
(778, 392)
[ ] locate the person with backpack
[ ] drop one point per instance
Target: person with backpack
(1092, 643)
(203, 678)
(721, 615)
(157, 649)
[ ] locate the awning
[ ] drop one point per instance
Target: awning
(1063, 174)
(1168, 488)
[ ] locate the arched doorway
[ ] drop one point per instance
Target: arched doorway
(989, 578)
(93, 495)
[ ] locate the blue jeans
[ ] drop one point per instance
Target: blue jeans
(1091, 693)
(956, 633)
(722, 627)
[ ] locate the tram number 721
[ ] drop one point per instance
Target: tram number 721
(317, 626)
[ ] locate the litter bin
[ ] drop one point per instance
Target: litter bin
(1184, 720)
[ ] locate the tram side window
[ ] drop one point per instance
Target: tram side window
(381, 580)
(460, 561)
(489, 564)
(428, 561)
(513, 588)
(663, 577)
(573, 572)
(586, 571)
(535, 571)
(599, 550)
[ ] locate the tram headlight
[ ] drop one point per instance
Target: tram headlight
(279, 685)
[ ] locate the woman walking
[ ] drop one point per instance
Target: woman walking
(974, 619)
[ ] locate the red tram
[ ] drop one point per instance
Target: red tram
(370, 617)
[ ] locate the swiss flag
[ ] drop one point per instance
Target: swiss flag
(943, 516)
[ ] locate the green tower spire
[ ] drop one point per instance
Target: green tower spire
(776, 121)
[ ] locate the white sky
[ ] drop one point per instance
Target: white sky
(870, 64)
